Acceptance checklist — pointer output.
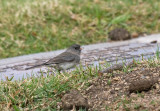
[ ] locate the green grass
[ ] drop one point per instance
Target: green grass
(32, 26)
(44, 92)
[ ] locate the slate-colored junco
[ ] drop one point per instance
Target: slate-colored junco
(65, 60)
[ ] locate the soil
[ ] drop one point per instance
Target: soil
(111, 91)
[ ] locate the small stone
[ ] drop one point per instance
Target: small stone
(102, 62)
(117, 89)
(157, 86)
(147, 77)
(116, 79)
(134, 35)
(74, 99)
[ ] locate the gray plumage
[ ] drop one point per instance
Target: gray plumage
(65, 60)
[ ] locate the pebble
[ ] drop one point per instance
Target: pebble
(117, 89)
(134, 34)
(157, 86)
(116, 78)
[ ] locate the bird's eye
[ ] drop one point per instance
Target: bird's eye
(77, 48)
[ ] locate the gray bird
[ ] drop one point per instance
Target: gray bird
(65, 60)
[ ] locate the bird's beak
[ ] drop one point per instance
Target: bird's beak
(81, 48)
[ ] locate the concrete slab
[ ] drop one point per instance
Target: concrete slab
(91, 54)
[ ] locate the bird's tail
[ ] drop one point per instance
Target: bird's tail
(34, 66)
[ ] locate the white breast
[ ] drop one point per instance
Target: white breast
(66, 66)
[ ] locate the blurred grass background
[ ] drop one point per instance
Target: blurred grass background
(32, 26)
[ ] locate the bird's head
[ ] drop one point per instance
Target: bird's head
(75, 49)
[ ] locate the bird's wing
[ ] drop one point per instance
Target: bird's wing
(64, 57)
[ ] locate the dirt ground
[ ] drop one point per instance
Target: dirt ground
(111, 91)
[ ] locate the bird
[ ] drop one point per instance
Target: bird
(66, 60)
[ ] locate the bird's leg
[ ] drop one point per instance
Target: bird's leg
(59, 71)
(53, 71)
(62, 71)
(45, 71)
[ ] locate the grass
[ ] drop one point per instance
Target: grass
(44, 92)
(32, 26)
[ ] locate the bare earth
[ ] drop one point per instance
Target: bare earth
(111, 91)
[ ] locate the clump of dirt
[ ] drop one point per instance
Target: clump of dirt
(74, 100)
(116, 91)
(142, 85)
(119, 34)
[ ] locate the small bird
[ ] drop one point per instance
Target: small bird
(65, 60)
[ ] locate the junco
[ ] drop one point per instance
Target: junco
(65, 60)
